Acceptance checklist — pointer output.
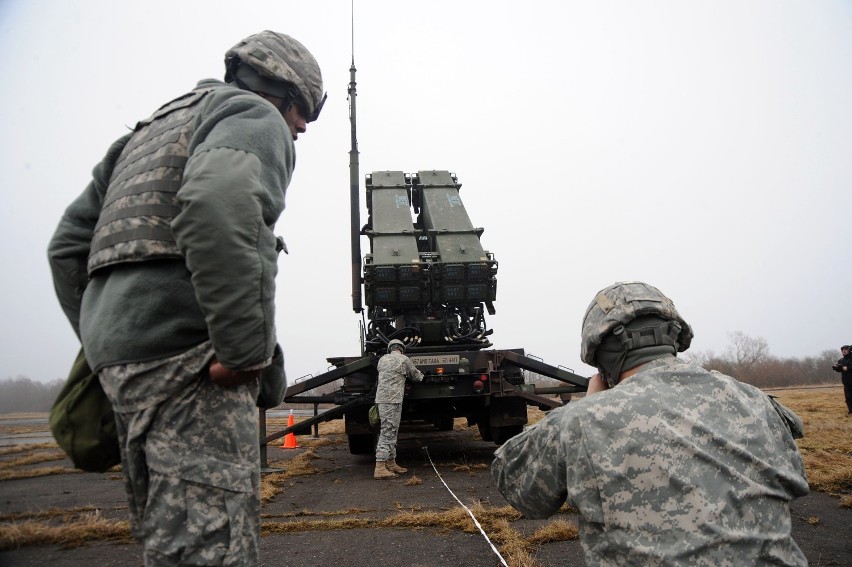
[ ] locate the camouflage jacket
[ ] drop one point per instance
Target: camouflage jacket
(676, 466)
(241, 158)
(394, 369)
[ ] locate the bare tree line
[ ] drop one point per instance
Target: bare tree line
(749, 360)
(22, 394)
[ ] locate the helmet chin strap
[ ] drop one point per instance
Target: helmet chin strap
(610, 358)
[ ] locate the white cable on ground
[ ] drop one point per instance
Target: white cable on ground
(475, 521)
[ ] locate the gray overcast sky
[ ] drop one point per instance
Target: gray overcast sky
(704, 147)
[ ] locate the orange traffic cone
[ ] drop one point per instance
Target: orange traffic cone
(290, 438)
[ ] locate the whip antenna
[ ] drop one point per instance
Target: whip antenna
(354, 180)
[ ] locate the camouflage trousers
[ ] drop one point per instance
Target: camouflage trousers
(190, 458)
(390, 415)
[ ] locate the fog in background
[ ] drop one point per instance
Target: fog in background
(704, 147)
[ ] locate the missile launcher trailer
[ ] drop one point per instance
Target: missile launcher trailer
(428, 282)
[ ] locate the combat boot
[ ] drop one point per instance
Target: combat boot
(382, 471)
(393, 467)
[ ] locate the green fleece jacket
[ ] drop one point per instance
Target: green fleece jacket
(241, 158)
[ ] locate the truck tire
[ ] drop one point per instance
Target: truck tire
(504, 433)
(362, 443)
(484, 429)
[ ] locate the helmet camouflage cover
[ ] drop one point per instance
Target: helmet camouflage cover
(276, 57)
(396, 343)
(620, 304)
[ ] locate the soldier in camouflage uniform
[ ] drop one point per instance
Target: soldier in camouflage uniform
(667, 463)
(165, 265)
(394, 369)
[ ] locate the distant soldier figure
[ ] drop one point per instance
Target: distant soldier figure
(844, 366)
(165, 266)
(667, 463)
(394, 369)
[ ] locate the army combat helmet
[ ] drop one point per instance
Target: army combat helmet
(627, 317)
(276, 64)
(396, 343)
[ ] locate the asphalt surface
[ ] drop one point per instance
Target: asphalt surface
(345, 484)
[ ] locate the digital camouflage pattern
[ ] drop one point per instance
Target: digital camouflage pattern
(621, 303)
(190, 459)
(394, 368)
(141, 199)
(390, 415)
(674, 466)
(279, 57)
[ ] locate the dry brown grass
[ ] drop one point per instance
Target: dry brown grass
(21, 429)
(314, 526)
(46, 514)
(827, 445)
(534, 415)
(414, 481)
(326, 514)
(452, 519)
(556, 530)
(63, 527)
(14, 449)
(321, 442)
(20, 467)
(300, 465)
(37, 472)
(32, 459)
(514, 546)
(469, 468)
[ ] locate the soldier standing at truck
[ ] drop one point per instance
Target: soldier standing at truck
(666, 462)
(394, 369)
(165, 266)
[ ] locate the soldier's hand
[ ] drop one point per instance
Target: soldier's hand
(597, 384)
(227, 378)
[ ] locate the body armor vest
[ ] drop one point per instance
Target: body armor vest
(141, 199)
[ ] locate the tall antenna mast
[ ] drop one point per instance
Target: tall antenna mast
(354, 184)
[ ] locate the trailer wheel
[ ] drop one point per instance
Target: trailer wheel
(484, 429)
(503, 433)
(362, 443)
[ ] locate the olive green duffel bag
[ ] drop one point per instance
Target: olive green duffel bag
(82, 420)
